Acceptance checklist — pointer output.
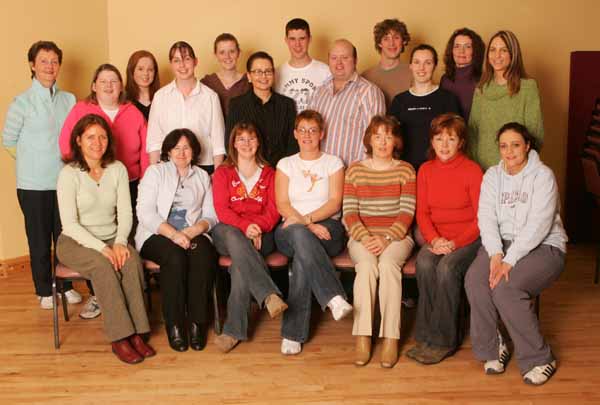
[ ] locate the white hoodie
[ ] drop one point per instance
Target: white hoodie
(522, 208)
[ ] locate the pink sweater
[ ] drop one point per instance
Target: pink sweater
(129, 135)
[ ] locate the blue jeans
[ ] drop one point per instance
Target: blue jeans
(249, 275)
(311, 271)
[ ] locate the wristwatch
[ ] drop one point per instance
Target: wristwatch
(388, 238)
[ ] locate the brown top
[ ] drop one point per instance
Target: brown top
(225, 95)
(392, 82)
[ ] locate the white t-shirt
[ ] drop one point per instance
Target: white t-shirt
(300, 83)
(309, 180)
(111, 113)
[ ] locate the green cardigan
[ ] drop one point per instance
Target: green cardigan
(494, 107)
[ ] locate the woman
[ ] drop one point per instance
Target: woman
(504, 94)
(127, 124)
(523, 253)
(175, 213)
(271, 113)
(93, 198)
(308, 192)
(464, 61)
(227, 82)
(244, 198)
(447, 200)
(142, 81)
(31, 139)
(187, 103)
(416, 107)
(379, 205)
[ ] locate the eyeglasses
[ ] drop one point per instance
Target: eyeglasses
(266, 72)
(246, 140)
(310, 131)
(108, 82)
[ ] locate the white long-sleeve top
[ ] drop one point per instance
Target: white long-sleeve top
(523, 208)
(156, 193)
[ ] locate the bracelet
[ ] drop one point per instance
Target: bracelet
(308, 217)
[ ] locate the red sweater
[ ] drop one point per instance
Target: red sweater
(237, 207)
(448, 199)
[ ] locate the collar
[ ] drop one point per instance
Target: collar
(452, 163)
(354, 78)
(257, 100)
(173, 169)
(172, 87)
(41, 90)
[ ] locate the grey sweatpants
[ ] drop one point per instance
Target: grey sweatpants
(512, 301)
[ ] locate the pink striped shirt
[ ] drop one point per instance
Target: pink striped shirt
(347, 114)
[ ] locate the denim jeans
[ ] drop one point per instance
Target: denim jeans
(249, 275)
(440, 280)
(311, 272)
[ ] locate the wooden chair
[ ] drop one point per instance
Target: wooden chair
(591, 172)
(60, 274)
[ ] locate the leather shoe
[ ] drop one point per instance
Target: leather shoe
(275, 305)
(363, 350)
(177, 338)
(197, 335)
(125, 352)
(389, 353)
(140, 346)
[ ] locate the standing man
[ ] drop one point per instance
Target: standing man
(301, 75)
(347, 102)
(390, 75)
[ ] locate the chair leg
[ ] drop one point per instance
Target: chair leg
(148, 290)
(64, 301)
(55, 314)
(218, 328)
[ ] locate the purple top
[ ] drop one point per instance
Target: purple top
(240, 87)
(463, 87)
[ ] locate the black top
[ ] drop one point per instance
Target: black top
(145, 110)
(415, 113)
(274, 120)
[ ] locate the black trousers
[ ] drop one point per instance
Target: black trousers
(42, 227)
(186, 277)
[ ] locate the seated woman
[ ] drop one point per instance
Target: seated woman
(308, 192)
(93, 199)
(244, 196)
(379, 205)
(447, 200)
(175, 212)
(523, 253)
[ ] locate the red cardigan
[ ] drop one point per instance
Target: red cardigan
(448, 199)
(237, 207)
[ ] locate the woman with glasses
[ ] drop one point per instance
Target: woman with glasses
(272, 113)
(175, 212)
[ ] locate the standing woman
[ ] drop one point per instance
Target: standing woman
(30, 135)
(244, 197)
(175, 212)
(447, 199)
(379, 205)
(463, 59)
(416, 107)
(227, 82)
(93, 197)
(504, 94)
(308, 191)
(523, 253)
(142, 81)
(272, 113)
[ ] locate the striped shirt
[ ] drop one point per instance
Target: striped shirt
(347, 114)
(379, 202)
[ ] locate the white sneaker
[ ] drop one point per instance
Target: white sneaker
(339, 307)
(91, 309)
(73, 297)
(497, 366)
(540, 374)
(290, 347)
(46, 302)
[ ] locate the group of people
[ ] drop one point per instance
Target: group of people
(303, 160)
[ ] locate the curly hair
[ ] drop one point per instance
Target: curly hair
(385, 26)
(478, 53)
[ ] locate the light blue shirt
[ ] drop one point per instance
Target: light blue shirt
(33, 125)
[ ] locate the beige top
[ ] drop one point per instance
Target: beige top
(392, 82)
(93, 212)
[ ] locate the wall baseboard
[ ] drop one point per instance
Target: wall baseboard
(15, 264)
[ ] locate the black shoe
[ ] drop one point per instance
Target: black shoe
(177, 338)
(198, 335)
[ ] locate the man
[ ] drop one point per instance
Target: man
(301, 75)
(390, 75)
(347, 102)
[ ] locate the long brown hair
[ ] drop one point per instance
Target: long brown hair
(478, 54)
(232, 153)
(516, 69)
(76, 157)
(132, 90)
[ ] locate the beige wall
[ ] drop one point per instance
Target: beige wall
(80, 30)
(548, 29)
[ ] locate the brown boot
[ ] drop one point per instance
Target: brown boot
(275, 305)
(389, 352)
(225, 342)
(363, 350)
